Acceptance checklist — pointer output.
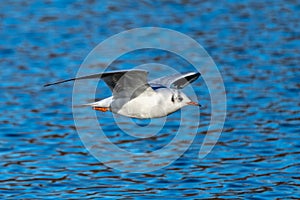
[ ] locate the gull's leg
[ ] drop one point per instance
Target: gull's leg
(102, 109)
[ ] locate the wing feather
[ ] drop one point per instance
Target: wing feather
(176, 81)
(123, 83)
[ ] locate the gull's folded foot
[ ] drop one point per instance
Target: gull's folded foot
(102, 109)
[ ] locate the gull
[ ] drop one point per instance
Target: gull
(133, 96)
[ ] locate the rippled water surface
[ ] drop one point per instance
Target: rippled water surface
(255, 45)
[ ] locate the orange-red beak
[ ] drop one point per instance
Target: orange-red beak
(193, 104)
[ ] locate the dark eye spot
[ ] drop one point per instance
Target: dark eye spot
(179, 98)
(172, 99)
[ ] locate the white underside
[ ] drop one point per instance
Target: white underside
(146, 105)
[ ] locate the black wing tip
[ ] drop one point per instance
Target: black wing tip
(196, 74)
(58, 82)
(192, 74)
(49, 84)
(188, 79)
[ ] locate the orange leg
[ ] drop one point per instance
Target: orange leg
(102, 109)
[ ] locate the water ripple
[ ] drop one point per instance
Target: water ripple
(256, 47)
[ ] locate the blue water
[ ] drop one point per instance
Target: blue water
(256, 48)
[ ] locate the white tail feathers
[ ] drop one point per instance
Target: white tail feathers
(102, 103)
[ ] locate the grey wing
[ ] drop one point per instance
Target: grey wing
(128, 84)
(176, 81)
(123, 83)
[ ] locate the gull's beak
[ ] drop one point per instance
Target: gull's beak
(193, 104)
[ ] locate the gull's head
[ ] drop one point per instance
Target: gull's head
(180, 99)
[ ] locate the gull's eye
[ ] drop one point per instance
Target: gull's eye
(179, 98)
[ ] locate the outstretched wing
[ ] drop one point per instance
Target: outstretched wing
(123, 84)
(176, 81)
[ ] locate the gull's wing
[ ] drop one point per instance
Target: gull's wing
(123, 84)
(176, 81)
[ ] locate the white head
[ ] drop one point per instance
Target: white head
(180, 99)
(175, 99)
